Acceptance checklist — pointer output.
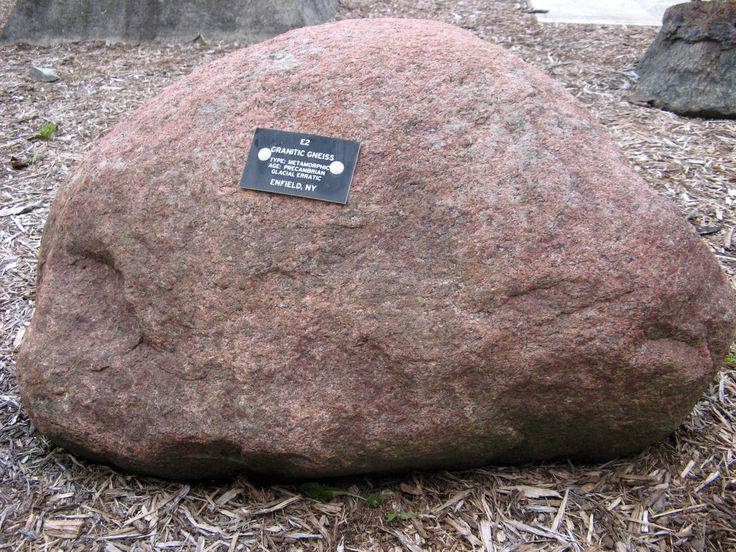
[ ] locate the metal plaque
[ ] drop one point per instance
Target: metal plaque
(302, 165)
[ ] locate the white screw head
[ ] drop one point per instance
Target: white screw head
(336, 167)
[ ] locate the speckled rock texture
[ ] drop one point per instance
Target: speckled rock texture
(54, 21)
(500, 287)
(690, 68)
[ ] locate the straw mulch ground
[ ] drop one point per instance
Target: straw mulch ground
(677, 495)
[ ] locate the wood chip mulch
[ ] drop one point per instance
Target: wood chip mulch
(676, 495)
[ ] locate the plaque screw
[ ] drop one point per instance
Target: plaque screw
(336, 167)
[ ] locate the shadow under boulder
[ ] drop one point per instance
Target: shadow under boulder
(690, 68)
(54, 21)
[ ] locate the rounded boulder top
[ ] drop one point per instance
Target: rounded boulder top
(500, 287)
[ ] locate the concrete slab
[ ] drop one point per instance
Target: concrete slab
(54, 21)
(603, 12)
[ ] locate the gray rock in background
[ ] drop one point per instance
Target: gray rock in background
(690, 68)
(54, 21)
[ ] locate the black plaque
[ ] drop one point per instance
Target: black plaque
(302, 165)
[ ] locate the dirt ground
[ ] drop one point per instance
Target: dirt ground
(677, 495)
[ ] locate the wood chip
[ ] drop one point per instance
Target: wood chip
(63, 528)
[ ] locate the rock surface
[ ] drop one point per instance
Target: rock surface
(690, 68)
(43, 74)
(54, 21)
(500, 287)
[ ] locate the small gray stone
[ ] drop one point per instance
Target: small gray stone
(43, 74)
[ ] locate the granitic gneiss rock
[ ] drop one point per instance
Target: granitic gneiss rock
(53, 21)
(690, 68)
(500, 287)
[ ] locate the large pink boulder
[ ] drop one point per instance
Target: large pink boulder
(500, 287)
